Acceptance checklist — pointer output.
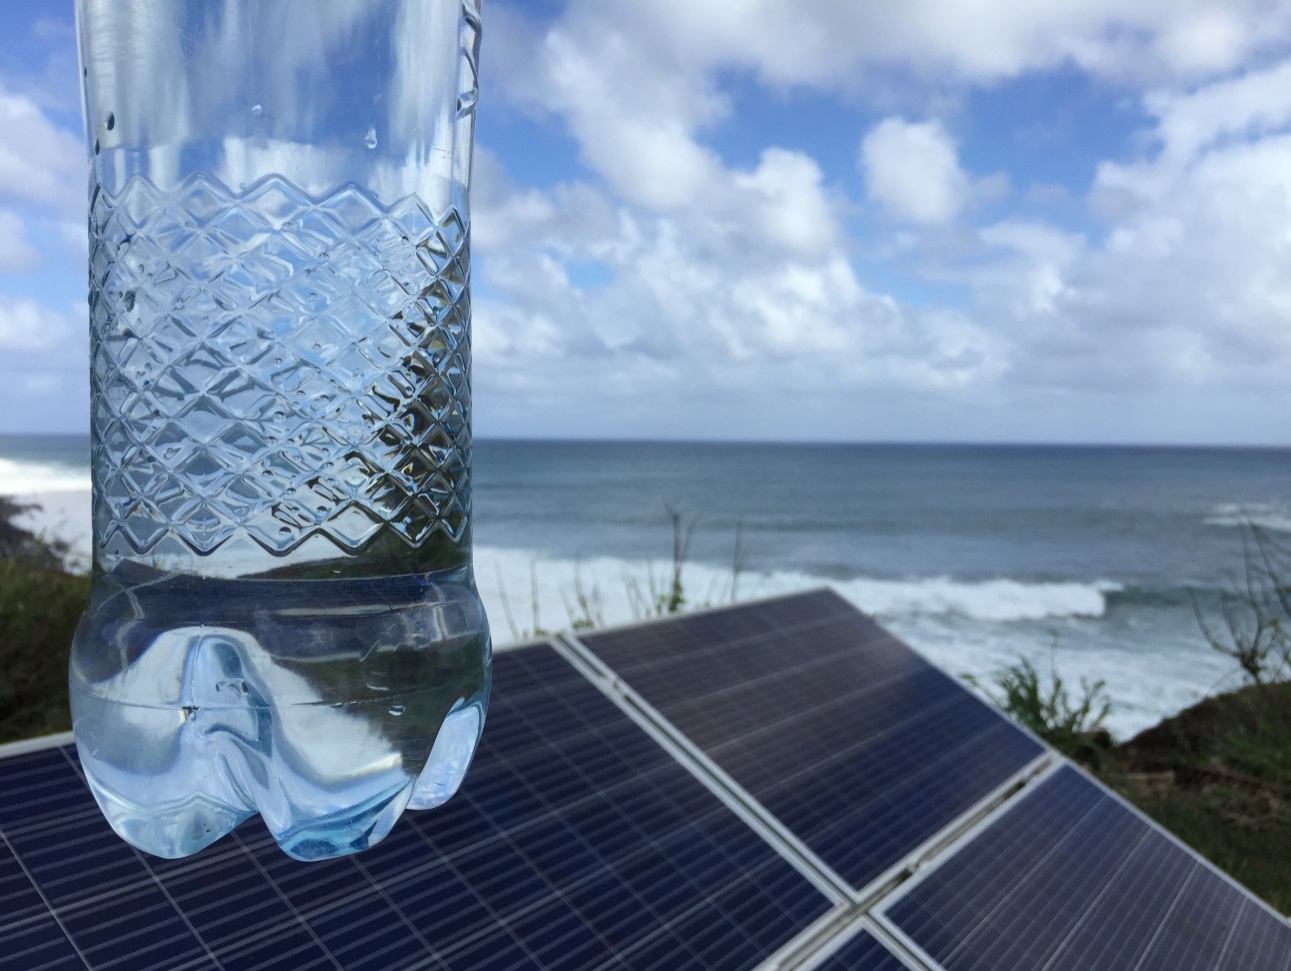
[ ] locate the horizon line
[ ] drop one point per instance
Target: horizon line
(822, 442)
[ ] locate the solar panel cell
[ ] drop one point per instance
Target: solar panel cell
(1258, 940)
(1070, 879)
(37, 943)
(41, 785)
(282, 952)
(1193, 934)
(18, 898)
(851, 740)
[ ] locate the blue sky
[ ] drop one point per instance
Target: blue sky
(770, 219)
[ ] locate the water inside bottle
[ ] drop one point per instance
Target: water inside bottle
(327, 706)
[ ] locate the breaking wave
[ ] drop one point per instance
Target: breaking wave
(34, 478)
(514, 581)
(1265, 515)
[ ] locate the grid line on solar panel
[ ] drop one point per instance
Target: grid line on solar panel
(836, 728)
(1069, 878)
(868, 837)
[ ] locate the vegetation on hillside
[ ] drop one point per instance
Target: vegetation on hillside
(40, 605)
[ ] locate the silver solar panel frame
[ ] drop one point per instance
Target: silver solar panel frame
(28, 745)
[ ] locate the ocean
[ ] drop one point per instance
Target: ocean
(1084, 560)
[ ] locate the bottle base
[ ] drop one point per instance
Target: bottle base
(326, 707)
(225, 785)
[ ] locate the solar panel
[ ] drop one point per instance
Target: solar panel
(1070, 877)
(576, 841)
(858, 746)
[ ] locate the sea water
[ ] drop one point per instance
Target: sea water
(283, 618)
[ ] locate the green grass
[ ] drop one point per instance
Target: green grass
(40, 606)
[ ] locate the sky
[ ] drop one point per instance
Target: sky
(937, 220)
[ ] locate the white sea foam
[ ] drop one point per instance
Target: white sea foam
(33, 478)
(1266, 515)
(620, 591)
(998, 600)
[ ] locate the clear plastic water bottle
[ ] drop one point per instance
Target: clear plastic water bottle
(284, 619)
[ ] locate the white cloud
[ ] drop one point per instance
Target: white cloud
(912, 170)
(1190, 285)
(724, 282)
(748, 296)
(43, 366)
(39, 162)
(1246, 106)
(17, 255)
(837, 43)
(26, 325)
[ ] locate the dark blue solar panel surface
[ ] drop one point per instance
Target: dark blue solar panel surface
(862, 953)
(1070, 879)
(575, 842)
(856, 744)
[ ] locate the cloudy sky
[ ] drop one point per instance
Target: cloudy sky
(947, 220)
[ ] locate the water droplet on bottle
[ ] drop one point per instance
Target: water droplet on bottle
(396, 710)
(96, 146)
(127, 300)
(371, 140)
(257, 110)
(112, 121)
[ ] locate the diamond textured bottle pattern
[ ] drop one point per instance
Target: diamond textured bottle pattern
(304, 373)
